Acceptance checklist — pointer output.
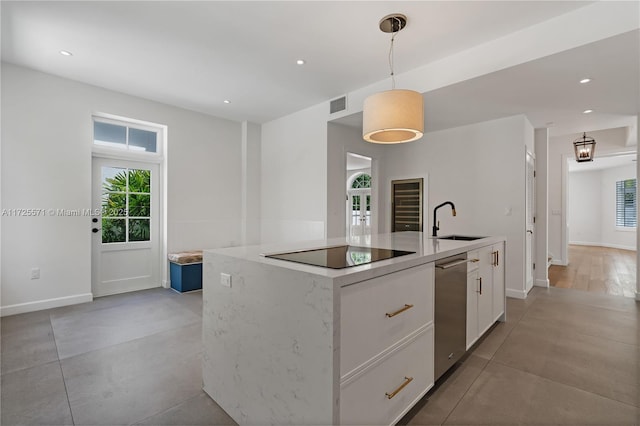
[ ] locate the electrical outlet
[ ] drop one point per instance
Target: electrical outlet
(35, 273)
(225, 280)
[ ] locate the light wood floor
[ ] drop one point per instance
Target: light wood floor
(598, 270)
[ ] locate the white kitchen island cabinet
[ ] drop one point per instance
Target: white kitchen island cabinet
(485, 290)
(289, 343)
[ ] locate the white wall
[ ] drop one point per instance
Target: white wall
(251, 186)
(592, 208)
(481, 169)
(46, 163)
(294, 176)
(584, 207)
(541, 137)
(608, 142)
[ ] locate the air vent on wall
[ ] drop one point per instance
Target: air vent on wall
(338, 105)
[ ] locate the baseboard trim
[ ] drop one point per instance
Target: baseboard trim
(542, 283)
(558, 262)
(615, 246)
(166, 283)
(516, 294)
(39, 305)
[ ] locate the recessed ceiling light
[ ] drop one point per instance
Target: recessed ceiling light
(227, 101)
(301, 62)
(66, 53)
(585, 80)
(587, 111)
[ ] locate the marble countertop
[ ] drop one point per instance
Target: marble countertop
(426, 248)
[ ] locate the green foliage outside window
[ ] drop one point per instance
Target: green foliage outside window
(362, 181)
(126, 197)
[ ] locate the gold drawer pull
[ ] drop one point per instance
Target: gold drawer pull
(407, 380)
(399, 311)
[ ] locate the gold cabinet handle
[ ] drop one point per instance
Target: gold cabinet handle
(407, 380)
(399, 311)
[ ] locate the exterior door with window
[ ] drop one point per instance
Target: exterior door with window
(360, 203)
(359, 207)
(126, 247)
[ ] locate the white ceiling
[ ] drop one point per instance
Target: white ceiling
(357, 161)
(548, 91)
(600, 163)
(196, 54)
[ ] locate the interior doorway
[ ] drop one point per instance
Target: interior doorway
(530, 221)
(359, 203)
(600, 223)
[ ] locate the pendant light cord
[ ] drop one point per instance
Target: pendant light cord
(393, 36)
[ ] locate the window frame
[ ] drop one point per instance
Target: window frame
(126, 153)
(127, 216)
(620, 203)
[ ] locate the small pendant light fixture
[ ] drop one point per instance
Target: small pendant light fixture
(393, 116)
(585, 148)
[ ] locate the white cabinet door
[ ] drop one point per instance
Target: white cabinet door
(498, 280)
(485, 290)
(472, 307)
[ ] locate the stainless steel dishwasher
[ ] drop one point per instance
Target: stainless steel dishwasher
(450, 312)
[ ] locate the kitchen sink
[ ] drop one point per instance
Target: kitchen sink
(459, 237)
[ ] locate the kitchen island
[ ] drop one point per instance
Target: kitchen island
(290, 343)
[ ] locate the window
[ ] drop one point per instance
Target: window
(121, 136)
(626, 215)
(361, 181)
(126, 205)
(360, 193)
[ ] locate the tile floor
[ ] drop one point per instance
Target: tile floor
(562, 357)
(120, 360)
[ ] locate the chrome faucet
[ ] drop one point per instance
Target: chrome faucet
(436, 225)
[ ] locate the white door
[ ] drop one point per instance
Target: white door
(360, 213)
(530, 222)
(126, 238)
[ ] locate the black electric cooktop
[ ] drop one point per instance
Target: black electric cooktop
(339, 257)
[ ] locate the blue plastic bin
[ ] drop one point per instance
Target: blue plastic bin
(185, 277)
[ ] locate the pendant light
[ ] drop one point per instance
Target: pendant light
(585, 148)
(393, 116)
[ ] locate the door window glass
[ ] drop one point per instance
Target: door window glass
(126, 205)
(123, 137)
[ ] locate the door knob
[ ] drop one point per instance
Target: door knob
(94, 230)
(530, 231)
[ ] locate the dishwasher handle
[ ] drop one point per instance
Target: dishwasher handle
(456, 263)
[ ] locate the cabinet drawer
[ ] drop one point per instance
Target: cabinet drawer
(379, 312)
(364, 399)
